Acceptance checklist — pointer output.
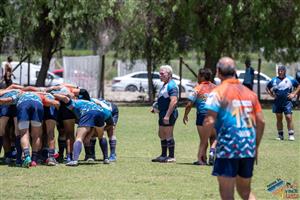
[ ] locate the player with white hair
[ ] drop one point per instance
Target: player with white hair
(167, 106)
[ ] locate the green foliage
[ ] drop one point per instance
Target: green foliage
(133, 176)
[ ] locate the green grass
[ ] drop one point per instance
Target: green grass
(135, 177)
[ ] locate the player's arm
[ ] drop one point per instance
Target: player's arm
(57, 87)
(6, 100)
(15, 86)
(50, 102)
(171, 108)
(187, 110)
(294, 93)
(62, 98)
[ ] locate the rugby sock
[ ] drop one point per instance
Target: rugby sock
(92, 147)
(171, 147)
(103, 146)
(44, 153)
(19, 148)
(34, 156)
(280, 133)
(291, 132)
(61, 147)
(164, 148)
(26, 152)
(87, 149)
(112, 146)
(7, 154)
(212, 151)
(1, 142)
(51, 153)
(77, 149)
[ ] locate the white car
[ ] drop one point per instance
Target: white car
(264, 80)
(21, 74)
(137, 81)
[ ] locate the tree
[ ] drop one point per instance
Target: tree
(146, 33)
(231, 27)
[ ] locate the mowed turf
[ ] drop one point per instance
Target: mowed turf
(134, 176)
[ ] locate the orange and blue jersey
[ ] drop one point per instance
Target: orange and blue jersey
(236, 107)
(169, 89)
(200, 94)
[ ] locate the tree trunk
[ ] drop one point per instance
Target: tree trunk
(46, 58)
(211, 60)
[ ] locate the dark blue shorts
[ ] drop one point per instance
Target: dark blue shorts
(64, 113)
(91, 119)
(30, 111)
(233, 167)
(50, 113)
(8, 111)
(200, 118)
(172, 120)
(285, 107)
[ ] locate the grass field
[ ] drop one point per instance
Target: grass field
(135, 177)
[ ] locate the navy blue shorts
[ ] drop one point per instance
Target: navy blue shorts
(172, 120)
(50, 113)
(91, 119)
(8, 111)
(233, 167)
(200, 119)
(30, 111)
(64, 113)
(285, 107)
(110, 121)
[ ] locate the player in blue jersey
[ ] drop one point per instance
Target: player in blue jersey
(10, 111)
(235, 112)
(110, 126)
(281, 88)
(90, 117)
(198, 98)
(167, 106)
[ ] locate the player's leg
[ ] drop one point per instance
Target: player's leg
(226, 187)
(50, 127)
(111, 132)
(279, 126)
(3, 123)
(170, 137)
(289, 120)
(36, 135)
(163, 144)
(201, 160)
(103, 145)
(81, 133)
(69, 131)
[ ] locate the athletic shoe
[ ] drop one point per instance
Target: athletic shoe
(33, 164)
(106, 161)
(113, 158)
(170, 160)
(199, 163)
(18, 163)
(72, 163)
(51, 162)
(27, 162)
(69, 159)
(56, 155)
(90, 160)
(8, 160)
(291, 138)
(159, 159)
(280, 137)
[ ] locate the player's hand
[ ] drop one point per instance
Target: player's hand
(291, 95)
(166, 120)
(185, 119)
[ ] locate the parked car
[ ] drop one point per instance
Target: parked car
(137, 81)
(59, 72)
(264, 79)
(21, 74)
